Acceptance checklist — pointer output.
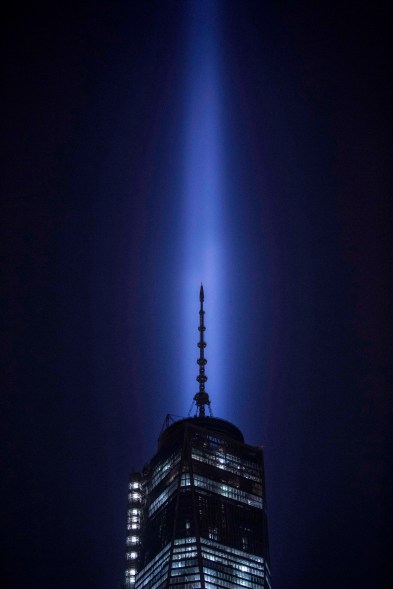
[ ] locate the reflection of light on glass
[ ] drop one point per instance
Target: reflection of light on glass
(203, 227)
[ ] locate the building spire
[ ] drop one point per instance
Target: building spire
(201, 398)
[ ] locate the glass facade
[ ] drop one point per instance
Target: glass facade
(197, 513)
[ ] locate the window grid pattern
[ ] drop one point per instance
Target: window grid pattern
(223, 567)
(155, 574)
(229, 568)
(229, 462)
(163, 497)
(222, 489)
(184, 566)
(161, 470)
(216, 533)
(205, 483)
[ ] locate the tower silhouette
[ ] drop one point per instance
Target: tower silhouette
(197, 512)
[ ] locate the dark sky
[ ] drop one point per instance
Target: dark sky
(92, 99)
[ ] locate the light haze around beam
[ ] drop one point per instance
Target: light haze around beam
(203, 230)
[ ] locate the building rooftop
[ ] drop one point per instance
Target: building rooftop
(214, 424)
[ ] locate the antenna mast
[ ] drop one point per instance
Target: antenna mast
(202, 398)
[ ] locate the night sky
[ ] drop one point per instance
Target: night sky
(96, 107)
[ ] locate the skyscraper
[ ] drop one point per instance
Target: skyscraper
(197, 513)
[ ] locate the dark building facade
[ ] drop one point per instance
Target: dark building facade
(197, 513)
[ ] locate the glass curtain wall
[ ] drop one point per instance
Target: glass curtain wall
(199, 512)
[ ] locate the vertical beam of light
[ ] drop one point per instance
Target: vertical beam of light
(203, 226)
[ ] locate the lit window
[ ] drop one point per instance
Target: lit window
(132, 555)
(213, 533)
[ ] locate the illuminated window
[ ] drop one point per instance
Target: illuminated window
(213, 533)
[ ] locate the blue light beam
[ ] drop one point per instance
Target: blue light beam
(204, 227)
